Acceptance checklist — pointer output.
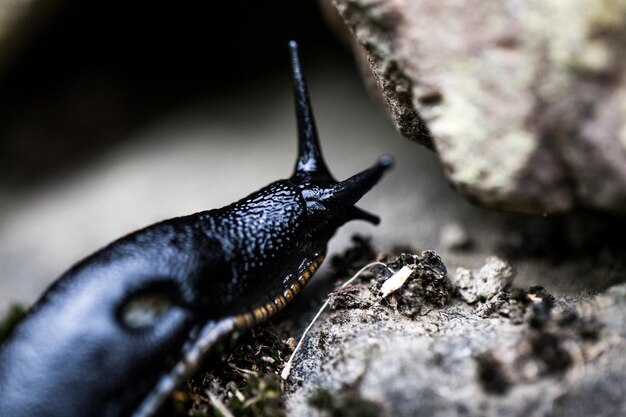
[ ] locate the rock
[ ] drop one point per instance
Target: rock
(454, 236)
(483, 284)
(523, 101)
(494, 276)
(463, 279)
(568, 357)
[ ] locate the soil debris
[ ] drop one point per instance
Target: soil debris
(353, 296)
(508, 304)
(549, 349)
(491, 278)
(550, 345)
(532, 306)
(243, 376)
(491, 375)
(428, 284)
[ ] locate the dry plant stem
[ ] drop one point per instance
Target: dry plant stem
(396, 281)
(287, 369)
(219, 405)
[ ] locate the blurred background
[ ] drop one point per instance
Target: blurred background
(115, 115)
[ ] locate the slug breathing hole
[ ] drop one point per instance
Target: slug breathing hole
(146, 308)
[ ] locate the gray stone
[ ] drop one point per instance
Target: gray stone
(483, 284)
(454, 236)
(452, 361)
(523, 101)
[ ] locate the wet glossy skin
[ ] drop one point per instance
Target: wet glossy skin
(114, 334)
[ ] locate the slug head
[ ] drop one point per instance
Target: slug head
(329, 203)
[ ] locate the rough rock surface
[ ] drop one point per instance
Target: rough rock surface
(521, 353)
(524, 101)
(492, 278)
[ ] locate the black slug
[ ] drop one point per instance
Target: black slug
(116, 333)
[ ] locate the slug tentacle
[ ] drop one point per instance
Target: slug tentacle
(310, 160)
(350, 191)
(356, 213)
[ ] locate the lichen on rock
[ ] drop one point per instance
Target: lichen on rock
(523, 101)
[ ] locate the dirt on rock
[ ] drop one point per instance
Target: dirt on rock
(428, 350)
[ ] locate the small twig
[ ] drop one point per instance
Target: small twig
(219, 405)
(243, 371)
(287, 369)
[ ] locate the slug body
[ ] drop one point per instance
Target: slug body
(116, 333)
